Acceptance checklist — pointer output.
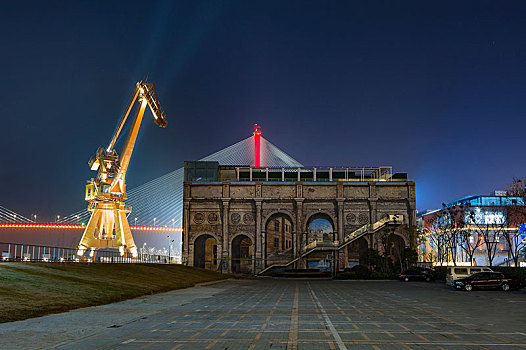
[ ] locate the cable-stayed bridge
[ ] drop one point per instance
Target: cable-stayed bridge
(159, 202)
(7, 215)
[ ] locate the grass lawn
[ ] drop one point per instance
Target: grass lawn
(36, 289)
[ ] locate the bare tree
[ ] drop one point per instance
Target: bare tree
(515, 216)
(491, 230)
(435, 235)
(516, 188)
(471, 241)
(454, 224)
(443, 234)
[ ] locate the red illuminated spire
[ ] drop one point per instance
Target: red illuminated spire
(257, 146)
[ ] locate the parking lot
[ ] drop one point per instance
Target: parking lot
(320, 314)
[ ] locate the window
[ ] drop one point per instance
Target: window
(276, 242)
(276, 225)
(480, 276)
(460, 271)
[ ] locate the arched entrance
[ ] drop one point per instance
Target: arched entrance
(205, 252)
(320, 227)
(397, 248)
(355, 251)
(279, 239)
(242, 254)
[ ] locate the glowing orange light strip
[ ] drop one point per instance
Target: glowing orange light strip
(66, 226)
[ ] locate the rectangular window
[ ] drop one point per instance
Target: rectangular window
(276, 226)
(276, 242)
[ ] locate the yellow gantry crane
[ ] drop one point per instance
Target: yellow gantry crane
(108, 225)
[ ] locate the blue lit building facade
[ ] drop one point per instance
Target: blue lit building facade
(474, 230)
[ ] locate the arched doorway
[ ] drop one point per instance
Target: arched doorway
(279, 239)
(398, 246)
(320, 227)
(355, 251)
(242, 254)
(205, 252)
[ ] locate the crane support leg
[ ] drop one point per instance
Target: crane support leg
(123, 232)
(99, 231)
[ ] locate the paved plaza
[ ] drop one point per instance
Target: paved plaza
(313, 314)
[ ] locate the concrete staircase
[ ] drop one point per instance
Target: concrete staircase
(335, 246)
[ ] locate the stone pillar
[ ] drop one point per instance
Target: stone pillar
(259, 244)
(340, 219)
(225, 254)
(372, 210)
(373, 217)
(187, 259)
(411, 213)
(298, 229)
(264, 248)
(345, 256)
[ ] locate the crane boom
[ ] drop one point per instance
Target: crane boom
(106, 193)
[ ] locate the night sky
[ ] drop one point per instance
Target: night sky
(437, 90)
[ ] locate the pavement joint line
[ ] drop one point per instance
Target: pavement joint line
(335, 334)
(354, 341)
(455, 323)
(294, 317)
(211, 345)
(146, 346)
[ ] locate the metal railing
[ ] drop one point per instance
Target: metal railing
(36, 253)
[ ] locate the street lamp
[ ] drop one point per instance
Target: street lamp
(169, 244)
(58, 218)
(78, 219)
(173, 223)
(135, 220)
(154, 220)
(34, 218)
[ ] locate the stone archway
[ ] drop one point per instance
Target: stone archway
(242, 252)
(279, 239)
(205, 252)
(398, 246)
(355, 251)
(319, 227)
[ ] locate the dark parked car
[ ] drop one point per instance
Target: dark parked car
(416, 275)
(487, 280)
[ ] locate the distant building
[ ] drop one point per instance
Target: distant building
(516, 188)
(247, 219)
(479, 230)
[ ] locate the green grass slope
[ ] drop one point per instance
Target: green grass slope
(31, 290)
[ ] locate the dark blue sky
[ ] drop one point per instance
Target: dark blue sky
(437, 90)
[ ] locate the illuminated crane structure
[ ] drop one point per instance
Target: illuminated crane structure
(108, 225)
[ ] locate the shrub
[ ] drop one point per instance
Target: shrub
(361, 272)
(514, 272)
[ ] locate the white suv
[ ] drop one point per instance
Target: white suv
(456, 272)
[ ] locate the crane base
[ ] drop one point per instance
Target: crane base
(108, 228)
